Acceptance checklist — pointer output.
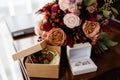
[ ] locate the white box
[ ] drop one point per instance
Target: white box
(79, 59)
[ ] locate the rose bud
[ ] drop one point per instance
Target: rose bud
(40, 59)
(46, 26)
(54, 8)
(34, 60)
(48, 57)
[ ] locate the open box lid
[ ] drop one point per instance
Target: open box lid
(79, 51)
(30, 50)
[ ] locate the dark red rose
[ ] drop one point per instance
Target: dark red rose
(48, 57)
(40, 58)
(70, 41)
(54, 8)
(34, 60)
(47, 26)
(92, 19)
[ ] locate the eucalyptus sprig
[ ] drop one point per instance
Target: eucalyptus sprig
(105, 42)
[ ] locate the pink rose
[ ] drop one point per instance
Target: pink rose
(63, 4)
(75, 1)
(74, 9)
(71, 20)
(91, 30)
(72, 1)
(79, 1)
(67, 4)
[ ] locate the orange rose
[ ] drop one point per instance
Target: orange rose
(56, 37)
(91, 30)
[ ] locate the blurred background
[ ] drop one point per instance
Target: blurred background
(16, 17)
(16, 7)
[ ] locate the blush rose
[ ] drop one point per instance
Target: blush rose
(71, 20)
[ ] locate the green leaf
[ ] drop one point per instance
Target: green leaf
(51, 55)
(88, 2)
(104, 35)
(102, 46)
(110, 43)
(46, 61)
(114, 10)
(106, 13)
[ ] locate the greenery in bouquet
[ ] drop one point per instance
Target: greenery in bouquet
(67, 22)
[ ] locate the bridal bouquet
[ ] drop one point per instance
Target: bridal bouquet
(68, 22)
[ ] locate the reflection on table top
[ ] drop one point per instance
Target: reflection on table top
(25, 42)
(106, 61)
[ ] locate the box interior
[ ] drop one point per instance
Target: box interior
(79, 51)
(81, 64)
(54, 49)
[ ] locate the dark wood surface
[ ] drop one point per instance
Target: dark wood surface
(106, 61)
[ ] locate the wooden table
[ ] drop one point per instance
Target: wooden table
(108, 60)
